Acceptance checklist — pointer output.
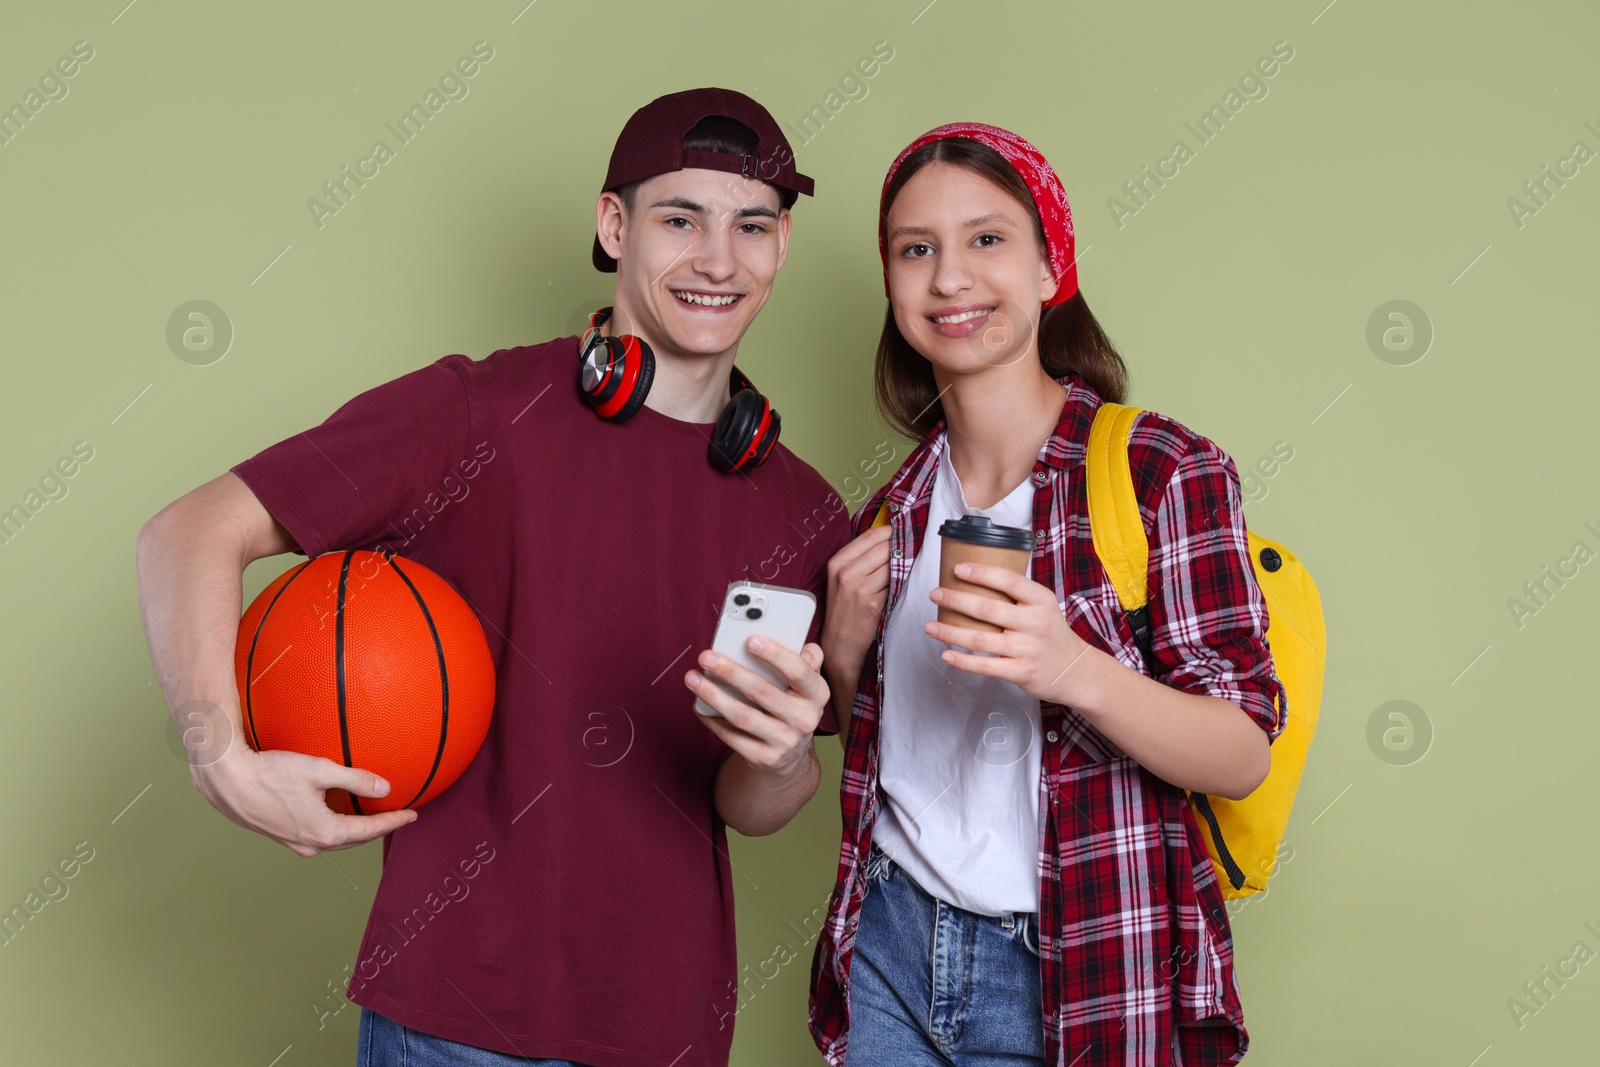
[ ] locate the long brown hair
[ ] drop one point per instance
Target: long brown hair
(1070, 340)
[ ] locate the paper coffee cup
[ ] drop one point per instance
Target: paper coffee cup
(975, 539)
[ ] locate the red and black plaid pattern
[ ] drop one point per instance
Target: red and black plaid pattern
(1136, 953)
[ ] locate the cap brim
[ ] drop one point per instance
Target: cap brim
(602, 261)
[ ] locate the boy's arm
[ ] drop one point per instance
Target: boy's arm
(191, 558)
(772, 769)
(757, 801)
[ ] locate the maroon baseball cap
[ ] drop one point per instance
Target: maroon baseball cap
(651, 143)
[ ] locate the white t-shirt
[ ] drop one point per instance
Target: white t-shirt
(958, 758)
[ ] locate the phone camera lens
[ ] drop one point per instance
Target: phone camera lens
(741, 599)
(753, 613)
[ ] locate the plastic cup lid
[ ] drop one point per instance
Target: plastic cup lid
(979, 530)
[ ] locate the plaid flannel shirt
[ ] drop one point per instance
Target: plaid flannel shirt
(1136, 952)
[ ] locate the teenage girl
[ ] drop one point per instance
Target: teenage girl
(1021, 879)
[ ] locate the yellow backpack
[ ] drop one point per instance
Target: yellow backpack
(1242, 835)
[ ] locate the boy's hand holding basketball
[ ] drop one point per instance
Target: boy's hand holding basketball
(280, 794)
(190, 559)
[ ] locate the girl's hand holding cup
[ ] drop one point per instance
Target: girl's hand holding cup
(988, 605)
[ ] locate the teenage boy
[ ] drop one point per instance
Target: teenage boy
(570, 897)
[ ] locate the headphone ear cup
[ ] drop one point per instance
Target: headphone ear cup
(767, 439)
(639, 353)
(745, 433)
(616, 376)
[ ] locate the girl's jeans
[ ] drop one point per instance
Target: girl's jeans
(933, 985)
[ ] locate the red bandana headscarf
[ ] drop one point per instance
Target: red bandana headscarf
(1048, 196)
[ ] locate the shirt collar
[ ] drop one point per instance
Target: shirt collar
(1063, 450)
(1069, 443)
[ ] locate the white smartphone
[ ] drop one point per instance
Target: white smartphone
(774, 612)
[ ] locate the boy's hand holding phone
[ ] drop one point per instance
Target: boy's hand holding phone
(765, 707)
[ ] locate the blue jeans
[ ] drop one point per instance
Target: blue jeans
(385, 1043)
(933, 985)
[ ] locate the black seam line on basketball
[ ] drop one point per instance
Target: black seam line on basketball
(444, 682)
(250, 657)
(338, 659)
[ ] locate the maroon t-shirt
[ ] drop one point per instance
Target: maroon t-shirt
(570, 896)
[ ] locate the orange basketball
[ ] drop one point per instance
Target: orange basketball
(370, 660)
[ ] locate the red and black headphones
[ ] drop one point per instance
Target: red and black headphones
(614, 378)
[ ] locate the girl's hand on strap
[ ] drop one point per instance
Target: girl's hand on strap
(858, 590)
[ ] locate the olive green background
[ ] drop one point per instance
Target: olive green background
(1439, 861)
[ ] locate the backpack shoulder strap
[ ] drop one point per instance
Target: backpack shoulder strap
(1114, 519)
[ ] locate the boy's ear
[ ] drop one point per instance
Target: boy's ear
(783, 235)
(610, 217)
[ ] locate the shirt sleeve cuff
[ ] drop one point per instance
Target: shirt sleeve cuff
(1262, 707)
(276, 501)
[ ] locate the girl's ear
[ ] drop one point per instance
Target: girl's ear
(1047, 282)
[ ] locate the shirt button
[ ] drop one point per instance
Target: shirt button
(893, 508)
(1039, 477)
(896, 553)
(1052, 736)
(1038, 534)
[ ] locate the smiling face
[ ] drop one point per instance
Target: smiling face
(967, 273)
(696, 257)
